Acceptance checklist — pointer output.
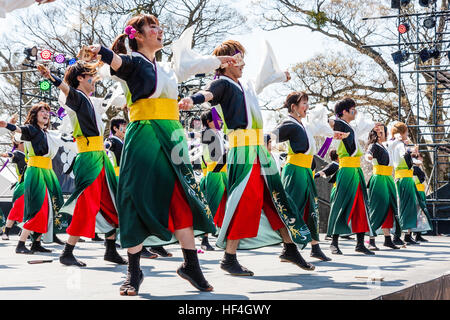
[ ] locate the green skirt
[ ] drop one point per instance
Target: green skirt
(382, 196)
(41, 184)
(155, 156)
(240, 161)
(424, 222)
(213, 186)
(19, 191)
(408, 203)
(342, 199)
(300, 186)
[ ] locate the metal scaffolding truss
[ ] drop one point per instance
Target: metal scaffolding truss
(427, 87)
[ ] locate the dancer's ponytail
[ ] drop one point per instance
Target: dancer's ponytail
(119, 46)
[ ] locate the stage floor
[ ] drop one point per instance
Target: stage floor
(273, 280)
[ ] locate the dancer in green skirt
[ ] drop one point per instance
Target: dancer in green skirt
(43, 197)
(297, 176)
(92, 205)
(349, 202)
(18, 200)
(214, 182)
(406, 187)
(157, 193)
(254, 184)
(381, 188)
(424, 222)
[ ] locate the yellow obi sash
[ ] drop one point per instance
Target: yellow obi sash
(90, 144)
(40, 162)
(300, 160)
(210, 167)
(350, 162)
(154, 109)
(116, 170)
(420, 187)
(246, 137)
(404, 173)
(334, 184)
(382, 170)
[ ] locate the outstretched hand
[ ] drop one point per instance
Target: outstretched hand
(226, 61)
(3, 124)
(338, 135)
(185, 104)
(89, 53)
(44, 71)
(288, 76)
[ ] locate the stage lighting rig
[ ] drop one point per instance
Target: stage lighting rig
(403, 28)
(31, 53)
(426, 3)
(429, 23)
(428, 53)
(400, 56)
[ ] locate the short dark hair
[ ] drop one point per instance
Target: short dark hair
(191, 124)
(80, 68)
(294, 98)
(333, 155)
(345, 104)
(116, 122)
(206, 117)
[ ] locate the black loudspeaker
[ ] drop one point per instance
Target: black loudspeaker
(395, 4)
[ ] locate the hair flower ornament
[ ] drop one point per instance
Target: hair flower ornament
(130, 31)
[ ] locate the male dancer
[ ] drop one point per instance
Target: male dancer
(254, 183)
(349, 209)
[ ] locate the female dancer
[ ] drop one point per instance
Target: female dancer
(92, 204)
(157, 193)
(349, 202)
(406, 188)
(381, 188)
(42, 195)
(18, 200)
(297, 176)
(215, 181)
(254, 184)
(424, 216)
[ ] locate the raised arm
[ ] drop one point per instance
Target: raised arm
(106, 55)
(57, 82)
(11, 127)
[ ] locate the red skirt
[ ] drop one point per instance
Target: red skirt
(94, 199)
(358, 216)
(16, 212)
(256, 197)
(220, 214)
(180, 214)
(39, 223)
(389, 222)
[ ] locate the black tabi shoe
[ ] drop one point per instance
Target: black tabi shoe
(190, 270)
(419, 238)
(334, 246)
(67, 258)
(230, 264)
(317, 253)
(37, 247)
(57, 240)
(363, 249)
(397, 241)
(205, 244)
(97, 238)
(147, 254)
(21, 249)
(135, 277)
(290, 254)
(360, 247)
(160, 251)
(409, 240)
(372, 245)
(5, 235)
(111, 253)
(388, 243)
